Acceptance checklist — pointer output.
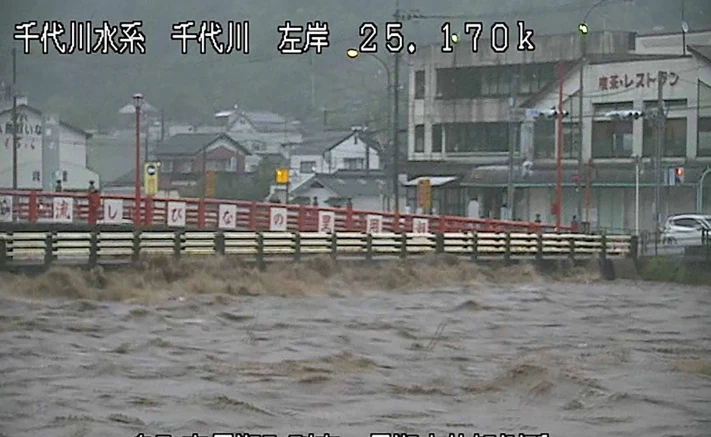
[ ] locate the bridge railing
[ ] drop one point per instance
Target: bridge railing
(86, 208)
(91, 246)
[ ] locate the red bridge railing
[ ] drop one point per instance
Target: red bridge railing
(88, 209)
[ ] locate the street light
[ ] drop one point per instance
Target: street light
(583, 29)
(137, 102)
(354, 53)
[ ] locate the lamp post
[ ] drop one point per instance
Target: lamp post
(353, 53)
(137, 101)
(583, 29)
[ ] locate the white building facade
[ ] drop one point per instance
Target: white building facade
(48, 150)
(460, 119)
(330, 152)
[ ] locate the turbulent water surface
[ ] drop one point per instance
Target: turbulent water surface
(604, 359)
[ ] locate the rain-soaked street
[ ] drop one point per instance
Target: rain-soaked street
(624, 359)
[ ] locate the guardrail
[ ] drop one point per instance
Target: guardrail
(94, 208)
(94, 247)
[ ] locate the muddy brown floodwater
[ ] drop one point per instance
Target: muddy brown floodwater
(568, 359)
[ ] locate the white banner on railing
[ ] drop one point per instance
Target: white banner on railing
(5, 208)
(176, 214)
(277, 219)
(374, 224)
(227, 216)
(420, 225)
(326, 221)
(113, 211)
(63, 209)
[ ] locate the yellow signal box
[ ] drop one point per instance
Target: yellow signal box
(150, 177)
(210, 183)
(424, 194)
(282, 176)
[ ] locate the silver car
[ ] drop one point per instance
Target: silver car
(685, 229)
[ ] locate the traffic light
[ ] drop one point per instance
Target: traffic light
(552, 113)
(583, 28)
(679, 176)
(625, 115)
(282, 176)
(150, 177)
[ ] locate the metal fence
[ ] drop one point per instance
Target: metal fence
(96, 246)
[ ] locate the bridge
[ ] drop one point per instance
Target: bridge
(50, 208)
(82, 229)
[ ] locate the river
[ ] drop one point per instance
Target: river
(563, 358)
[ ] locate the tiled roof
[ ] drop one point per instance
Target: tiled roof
(345, 186)
(190, 144)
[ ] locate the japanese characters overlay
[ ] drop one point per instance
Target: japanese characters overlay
(234, 37)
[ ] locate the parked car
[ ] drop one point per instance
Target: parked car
(685, 229)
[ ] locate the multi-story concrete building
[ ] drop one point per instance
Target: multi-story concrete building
(460, 123)
(48, 150)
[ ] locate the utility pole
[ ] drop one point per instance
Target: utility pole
(146, 142)
(581, 169)
(559, 149)
(513, 116)
(660, 124)
(313, 81)
(162, 125)
(204, 173)
(14, 118)
(396, 121)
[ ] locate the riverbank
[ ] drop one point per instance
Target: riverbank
(157, 278)
(678, 271)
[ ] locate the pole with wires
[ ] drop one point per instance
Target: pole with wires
(14, 118)
(396, 123)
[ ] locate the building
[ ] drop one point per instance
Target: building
(261, 132)
(461, 124)
(366, 191)
(330, 151)
(181, 158)
(49, 149)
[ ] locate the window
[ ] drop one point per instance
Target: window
(571, 140)
(233, 164)
(436, 138)
(533, 77)
(35, 175)
(704, 136)
(307, 167)
(673, 105)
(495, 81)
(476, 137)
(674, 144)
(185, 166)
(544, 139)
(354, 163)
(612, 139)
(419, 138)
(420, 84)
(214, 165)
(166, 166)
(687, 223)
(65, 176)
(458, 83)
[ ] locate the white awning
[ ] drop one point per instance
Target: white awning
(435, 181)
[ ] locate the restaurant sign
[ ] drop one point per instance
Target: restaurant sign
(637, 80)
